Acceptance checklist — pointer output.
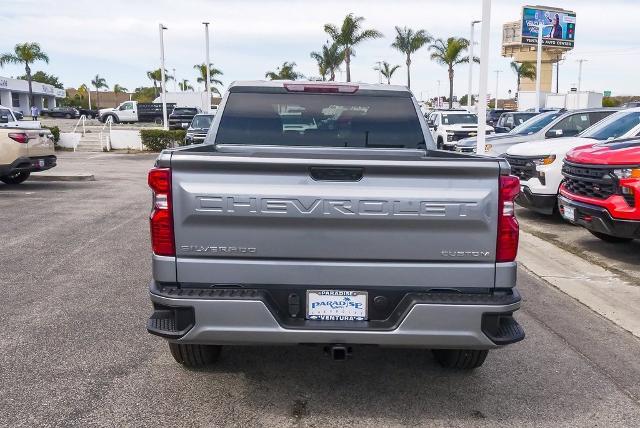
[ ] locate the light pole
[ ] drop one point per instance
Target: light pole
(541, 28)
(484, 76)
(208, 82)
(89, 92)
(163, 85)
(495, 105)
(174, 80)
(438, 99)
(379, 72)
(469, 93)
(580, 61)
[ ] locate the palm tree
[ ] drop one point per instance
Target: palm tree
(329, 60)
(25, 53)
(284, 72)
(526, 70)
(119, 89)
(156, 77)
(408, 42)
(202, 75)
(185, 86)
(387, 70)
(450, 53)
(349, 35)
(99, 82)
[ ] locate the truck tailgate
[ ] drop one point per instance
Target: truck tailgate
(428, 223)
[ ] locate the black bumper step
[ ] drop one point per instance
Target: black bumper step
(502, 329)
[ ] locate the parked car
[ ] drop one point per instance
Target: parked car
(23, 150)
(18, 115)
(198, 129)
(538, 164)
(449, 126)
(88, 113)
(66, 112)
(494, 114)
(510, 120)
(553, 124)
(133, 111)
(355, 231)
(601, 189)
(181, 117)
(631, 104)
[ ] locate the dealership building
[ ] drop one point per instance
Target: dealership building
(15, 93)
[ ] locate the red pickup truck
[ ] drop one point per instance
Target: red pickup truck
(601, 189)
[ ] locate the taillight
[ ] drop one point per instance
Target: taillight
(20, 137)
(321, 88)
(161, 219)
(508, 228)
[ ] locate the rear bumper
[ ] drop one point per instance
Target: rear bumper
(544, 204)
(598, 219)
(26, 164)
(246, 317)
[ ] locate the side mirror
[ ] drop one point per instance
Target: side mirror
(554, 133)
(435, 127)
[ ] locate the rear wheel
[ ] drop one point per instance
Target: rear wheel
(67, 116)
(440, 143)
(195, 356)
(610, 238)
(465, 359)
(15, 178)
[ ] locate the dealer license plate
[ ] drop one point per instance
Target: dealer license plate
(337, 305)
(569, 213)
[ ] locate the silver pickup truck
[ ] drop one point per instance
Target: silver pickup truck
(322, 213)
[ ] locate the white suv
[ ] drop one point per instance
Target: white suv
(538, 163)
(449, 126)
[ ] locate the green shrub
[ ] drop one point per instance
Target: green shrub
(159, 139)
(610, 102)
(55, 131)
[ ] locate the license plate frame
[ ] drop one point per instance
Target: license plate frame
(337, 305)
(569, 213)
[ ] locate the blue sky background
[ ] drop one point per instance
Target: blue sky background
(119, 39)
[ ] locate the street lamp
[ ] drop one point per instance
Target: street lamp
(484, 75)
(469, 94)
(438, 99)
(497, 79)
(379, 72)
(163, 85)
(174, 80)
(208, 82)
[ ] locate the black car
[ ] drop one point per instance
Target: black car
(198, 129)
(510, 120)
(18, 115)
(494, 114)
(66, 112)
(89, 114)
(181, 117)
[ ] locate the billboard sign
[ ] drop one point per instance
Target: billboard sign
(559, 26)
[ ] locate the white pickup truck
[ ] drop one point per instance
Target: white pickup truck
(449, 126)
(9, 120)
(133, 111)
(538, 163)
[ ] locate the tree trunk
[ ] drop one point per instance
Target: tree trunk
(518, 86)
(98, 98)
(347, 60)
(450, 87)
(408, 71)
(28, 71)
(332, 77)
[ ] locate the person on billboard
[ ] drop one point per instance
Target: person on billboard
(556, 30)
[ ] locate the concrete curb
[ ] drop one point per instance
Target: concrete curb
(597, 288)
(62, 177)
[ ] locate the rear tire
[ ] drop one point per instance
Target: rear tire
(463, 359)
(610, 238)
(440, 144)
(195, 356)
(15, 178)
(67, 116)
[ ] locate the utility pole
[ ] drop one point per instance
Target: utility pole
(379, 72)
(495, 105)
(438, 99)
(558, 74)
(174, 80)
(484, 76)
(208, 82)
(163, 84)
(469, 92)
(580, 61)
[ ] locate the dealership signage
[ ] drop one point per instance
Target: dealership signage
(558, 26)
(20, 85)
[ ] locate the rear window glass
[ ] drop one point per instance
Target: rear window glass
(452, 119)
(185, 111)
(202, 121)
(320, 120)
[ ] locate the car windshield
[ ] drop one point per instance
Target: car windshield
(520, 118)
(185, 111)
(202, 121)
(535, 124)
(453, 119)
(614, 126)
(328, 120)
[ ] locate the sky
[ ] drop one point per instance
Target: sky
(119, 39)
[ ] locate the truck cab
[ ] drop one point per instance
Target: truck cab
(449, 126)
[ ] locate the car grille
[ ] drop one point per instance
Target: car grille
(199, 137)
(459, 135)
(592, 182)
(522, 168)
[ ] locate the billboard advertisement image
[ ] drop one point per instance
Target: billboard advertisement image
(559, 26)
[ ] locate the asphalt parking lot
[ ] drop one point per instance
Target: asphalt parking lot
(74, 270)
